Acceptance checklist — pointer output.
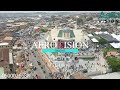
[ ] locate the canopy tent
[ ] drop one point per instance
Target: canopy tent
(116, 36)
(90, 35)
(115, 45)
(94, 40)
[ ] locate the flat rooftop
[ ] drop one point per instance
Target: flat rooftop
(10, 58)
(4, 56)
(115, 45)
(1, 72)
(8, 38)
(79, 75)
(3, 44)
(109, 38)
(115, 75)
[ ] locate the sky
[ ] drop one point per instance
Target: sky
(49, 11)
(54, 11)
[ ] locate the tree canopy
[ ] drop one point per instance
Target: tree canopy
(102, 41)
(43, 30)
(89, 18)
(79, 21)
(104, 29)
(114, 63)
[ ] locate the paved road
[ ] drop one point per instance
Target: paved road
(43, 65)
(103, 62)
(39, 71)
(34, 62)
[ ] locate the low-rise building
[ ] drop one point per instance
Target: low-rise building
(79, 75)
(114, 75)
(2, 73)
(4, 59)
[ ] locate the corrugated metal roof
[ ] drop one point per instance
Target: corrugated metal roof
(115, 45)
(8, 38)
(2, 44)
(94, 40)
(10, 58)
(4, 57)
(79, 75)
(108, 37)
(1, 71)
(115, 75)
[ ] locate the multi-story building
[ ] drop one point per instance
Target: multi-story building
(66, 35)
(6, 58)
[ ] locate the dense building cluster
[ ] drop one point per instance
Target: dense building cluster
(18, 32)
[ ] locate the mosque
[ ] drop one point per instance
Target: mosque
(61, 35)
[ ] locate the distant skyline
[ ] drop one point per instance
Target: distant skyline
(54, 11)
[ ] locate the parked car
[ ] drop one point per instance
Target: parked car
(34, 68)
(38, 63)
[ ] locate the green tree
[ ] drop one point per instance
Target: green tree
(114, 63)
(89, 18)
(102, 41)
(116, 22)
(119, 51)
(104, 29)
(105, 51)
(43, 30)
(79, 21)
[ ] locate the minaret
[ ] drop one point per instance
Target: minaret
(56, 27)
(75, 25)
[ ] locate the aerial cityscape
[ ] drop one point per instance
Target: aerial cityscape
(59, 45)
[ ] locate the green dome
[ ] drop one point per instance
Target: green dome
(66, 31)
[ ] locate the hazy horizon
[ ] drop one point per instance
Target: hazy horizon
(54, 11)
